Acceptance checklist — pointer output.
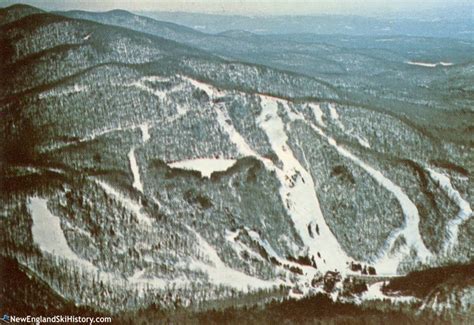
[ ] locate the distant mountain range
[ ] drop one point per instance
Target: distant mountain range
(453, 22)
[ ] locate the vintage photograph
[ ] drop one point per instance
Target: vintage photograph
(236, 162)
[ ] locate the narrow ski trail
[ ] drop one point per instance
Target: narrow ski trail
(388, 262)
(298, 191)
(297, 187)
(465, 211)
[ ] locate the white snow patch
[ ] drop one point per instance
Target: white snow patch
(140, 84)
(318, 114)
(48, 234)
(144, 128)
(127, 203)
(211, 91)
(206, 166)
(465, 211)
(335, 116)
(429, 65)
(137, 183)
(374, 292)
(156, 79)
(363, 141)
(99, 133)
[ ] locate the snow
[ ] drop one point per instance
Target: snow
(268, 248)
(301, 199)
(297, 190)
(140, 84)
(156, 79)
(206, 166)
(127, 203)
(235, 137)
(360, 139)
(298, 196)
(137, 183)
(219, 273)
(363, 141)
(144, 128)
(318, 114)
(430, 65)
(410, 229)
(465, 211)
(374, 292)
(144, 282)
(335, 116)
(333, 112)
(210, 90)
(387, 264)
(48, 234)
(76, 88)
(98, 133)
(239, 247)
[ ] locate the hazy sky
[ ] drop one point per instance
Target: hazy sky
(246, 7)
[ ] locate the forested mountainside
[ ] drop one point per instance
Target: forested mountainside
(422, 80)
(137, 170)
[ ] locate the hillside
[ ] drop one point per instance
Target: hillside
(422, 79)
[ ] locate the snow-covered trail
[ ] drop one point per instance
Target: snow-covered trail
(465, 211)
(298, 191)
(137, 183)
(317, 113)
(219, 273)
(297, 187)
(64, 91)
(126, 202)
(334, 115)
(412, 219)
(335, 118)
(235, 137)
(96, 134)
(298, 195)
(388, 262)
(145, 130)
(48, 234)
